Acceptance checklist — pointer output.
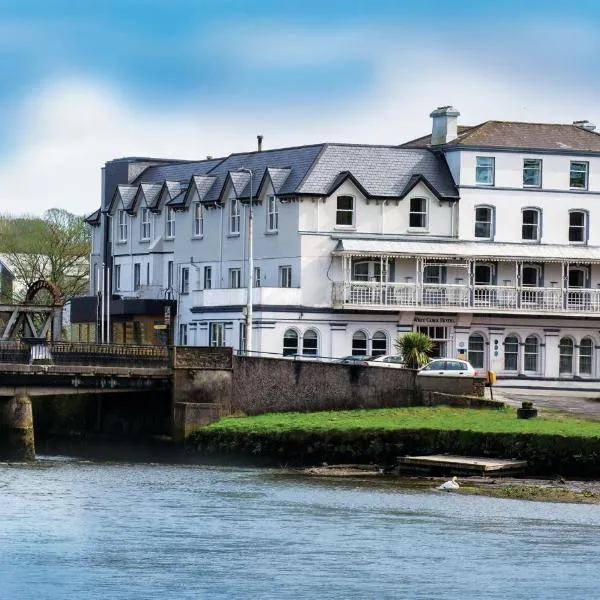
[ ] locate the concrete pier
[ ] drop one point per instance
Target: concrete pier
(16, 428)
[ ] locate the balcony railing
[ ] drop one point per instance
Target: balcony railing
(457, 296)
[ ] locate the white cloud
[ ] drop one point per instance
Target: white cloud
(69, 129)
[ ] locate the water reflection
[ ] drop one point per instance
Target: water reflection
(72, 528)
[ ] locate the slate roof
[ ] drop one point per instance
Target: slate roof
(513, 134)
(383, 171)
(94, 218)
(177, 171)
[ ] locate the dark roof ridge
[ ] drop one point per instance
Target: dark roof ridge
(273, 150)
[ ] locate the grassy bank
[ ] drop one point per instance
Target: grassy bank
(440, 418)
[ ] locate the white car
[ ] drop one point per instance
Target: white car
(388, 360)
(447, 367)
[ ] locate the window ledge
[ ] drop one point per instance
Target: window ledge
(169, 239)
(478, 184)
(233, 235)
(198, 237)
(144, 240)
(345, 227)
(271, 232)
(121, 241)
(418, 230)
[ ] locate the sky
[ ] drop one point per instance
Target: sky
(86, 81)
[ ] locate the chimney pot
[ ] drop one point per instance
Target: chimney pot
(259, 139)
(585, 124)
(445, 125)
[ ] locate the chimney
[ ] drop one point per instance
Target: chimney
(259, 138)
(445, 125)
(585, 124)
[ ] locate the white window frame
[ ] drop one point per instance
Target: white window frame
(146, 228)
(184, 282)
(216, 334)
(234, 216)
(183, 334)
(341, 214)
(123, 218)
(137, 276)
(535, 167)
(117, 278)
(527, 354)
(420, 211)
(285, 276)
(208, 277)
(489, 223)
(310, 351)
(482, 168)
(576, 167)
(170, 271)
(235, 278)
(290, 349)
(272, 214)
(256, 281)
(170, 231)
(583, 228)
(198, 227)
(538, 224)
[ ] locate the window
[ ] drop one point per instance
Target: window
(198, 220)
(285, 277)
(484, 274)
(137, 273)
(290, 342)
(235, 278)
(439, 335)
(434, 274)
(170, 275)
(145, 223)
(565, 353)
(418, 213)
(532, 172)
(310, 343)
(256, 281)
(531, 275)
(216, 334)
(207, 278)
(184, 288)
(484, 216)
(379, 344)
(511, 353)
(170, 222)
(272, 214)
(531, 353)
(476, 350)
(578, 178)
(122, 226)
(183, 334)
(366, 270)
(147, 273)
(344, 214)
(586, 355)
(117, 278)
(484, 170)
(242, 336)
(359, 344)
(530, 229)
(577, 276)
(234, 216)
(578, 226)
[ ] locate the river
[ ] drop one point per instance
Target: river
(115, 530)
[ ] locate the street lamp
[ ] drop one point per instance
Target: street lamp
(248, 324)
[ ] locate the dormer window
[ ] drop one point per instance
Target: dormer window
(272, 214)
(170, 222)
(417, 218)
(484, 170)
(122, 226)
(234, 216)
(145, 223)
(344, 214)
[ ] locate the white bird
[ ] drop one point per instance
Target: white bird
(449, 485)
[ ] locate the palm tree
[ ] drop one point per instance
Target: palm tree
(415, 347)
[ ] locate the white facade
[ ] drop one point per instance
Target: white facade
(507, 271)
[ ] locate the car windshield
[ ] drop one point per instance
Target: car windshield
(435, 365)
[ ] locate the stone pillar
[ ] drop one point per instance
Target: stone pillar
(16, 429)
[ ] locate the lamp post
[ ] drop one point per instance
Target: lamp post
(250, 281)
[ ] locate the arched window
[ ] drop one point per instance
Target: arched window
(511, 353)
(476, 350)
(586, 356)
(531, 354)
(359, 344)
(379, 344)
(310, 343)
(565, 352)
(290, 342)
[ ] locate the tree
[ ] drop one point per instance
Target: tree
(54, 247)
(415, 348)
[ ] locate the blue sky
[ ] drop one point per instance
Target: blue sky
(85, 81)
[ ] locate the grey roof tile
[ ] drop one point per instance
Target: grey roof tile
(178, 171)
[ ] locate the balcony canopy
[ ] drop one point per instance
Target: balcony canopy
(491, 251)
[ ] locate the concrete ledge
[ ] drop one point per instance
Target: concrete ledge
(191, 416)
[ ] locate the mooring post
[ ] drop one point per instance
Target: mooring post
(16, 429)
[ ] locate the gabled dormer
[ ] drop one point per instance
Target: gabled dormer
(146, 196)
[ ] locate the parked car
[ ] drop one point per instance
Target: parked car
(388, 360)
(362, 360)
(448, 367)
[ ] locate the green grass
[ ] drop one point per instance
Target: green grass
(439, 418)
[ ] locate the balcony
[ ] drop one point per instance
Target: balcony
(464, 298)
(262, 296)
